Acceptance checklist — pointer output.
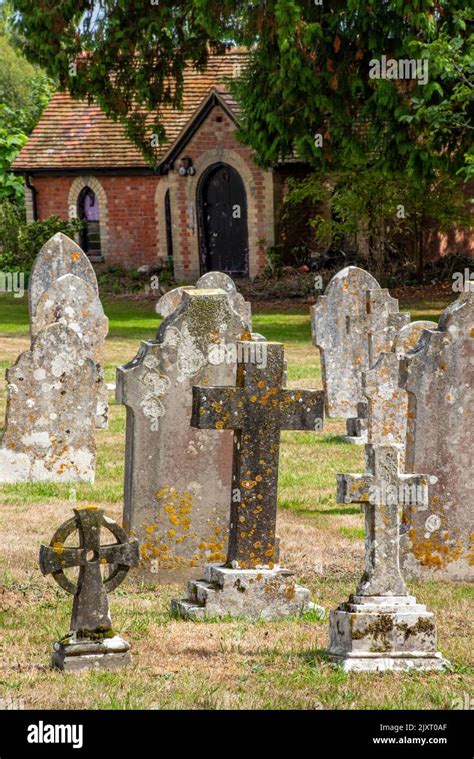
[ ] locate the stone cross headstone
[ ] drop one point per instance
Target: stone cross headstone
(256, 409)
(91, 642)
(351, 323)
(69, 300)
(169, 302)
(438, 375)
(50, 418)
(387, 402)
(384, 322)
(381, 627)
(177, 479)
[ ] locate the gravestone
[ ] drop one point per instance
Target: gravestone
(387, 401)
(351, 323)
(438, 376)
(251, 583)
(51, 402)
(381, 627)
(59, 256)
(212, 280)
(384, 322)
(69, 300)
(222, 281)
(91, 642)
(178, 479)
(169, 302)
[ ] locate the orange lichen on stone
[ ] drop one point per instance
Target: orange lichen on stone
(434, 552)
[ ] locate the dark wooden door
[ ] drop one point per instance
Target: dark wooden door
(223, 222)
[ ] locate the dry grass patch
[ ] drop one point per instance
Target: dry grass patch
(226, 665)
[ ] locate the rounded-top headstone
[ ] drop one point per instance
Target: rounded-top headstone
(340, 324)
(409, 335)
(49, 430)
(437, 374)
(216, 279)
(221, 281)
(169, 302)
(59, 256)
(178, 478)
(213, 280)
(352, 280)
(71, 301)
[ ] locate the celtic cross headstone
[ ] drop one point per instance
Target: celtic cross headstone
(91, 642)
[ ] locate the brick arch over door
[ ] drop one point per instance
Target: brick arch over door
(74, 191)
(202, 164)
(222, 221)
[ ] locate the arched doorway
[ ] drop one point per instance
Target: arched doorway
(223, 231)
(88, 212)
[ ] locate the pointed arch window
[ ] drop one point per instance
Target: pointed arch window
(169, 227)
(89, 212)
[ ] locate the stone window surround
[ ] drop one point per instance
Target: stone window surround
(77, 185)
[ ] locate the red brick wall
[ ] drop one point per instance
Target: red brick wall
(131, 215)
(51, 196)
(134, 236)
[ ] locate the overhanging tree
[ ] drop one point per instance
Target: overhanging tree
(307, 89)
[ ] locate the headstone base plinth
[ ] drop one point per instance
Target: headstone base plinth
(379, 633)
(357, 427)
(85, 654)
(355, 439)
(252, 593)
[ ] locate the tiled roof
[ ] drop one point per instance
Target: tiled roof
(73, 135)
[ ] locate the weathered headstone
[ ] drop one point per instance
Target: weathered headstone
(59, 256)
(169, 302)
(178, 479)
(351, 323)
(250, 583)
(212, 280)
(69, 300)
(49, 428)
(384, 322)
(91, 642)
(438, 375)
(387, 411)
(381, 627)
(222, 281)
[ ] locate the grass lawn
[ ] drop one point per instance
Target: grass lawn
(229, 665)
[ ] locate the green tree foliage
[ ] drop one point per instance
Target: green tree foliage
(449, 116)
(309, 89)
(24, 92)
(128, 56)
(308, 72)
(20, 242)
(360, 201)
(11, 142)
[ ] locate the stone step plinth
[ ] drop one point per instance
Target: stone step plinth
(384, 633)
(252, 593)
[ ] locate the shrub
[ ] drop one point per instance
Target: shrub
(20, 242)
(11, 219)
